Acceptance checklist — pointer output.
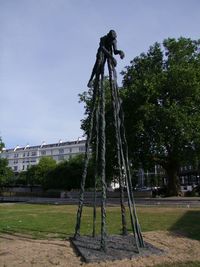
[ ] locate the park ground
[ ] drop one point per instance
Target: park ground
(37, 235)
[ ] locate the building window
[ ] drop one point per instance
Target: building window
(15, 168)
(61, 157)
(43, 152)
(24, 154)
(33, 153)
(61, 151)
(81, 149)
(15, 161)
(70, 150)
(15, 155)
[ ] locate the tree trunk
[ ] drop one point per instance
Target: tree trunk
(173, 184)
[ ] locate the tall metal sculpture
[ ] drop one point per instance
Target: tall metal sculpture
(108, 47)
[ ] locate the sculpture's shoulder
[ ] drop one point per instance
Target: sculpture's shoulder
(103, 40)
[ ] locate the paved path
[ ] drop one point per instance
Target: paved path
(173, 201)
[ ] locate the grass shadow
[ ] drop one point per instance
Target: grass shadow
(188, 225)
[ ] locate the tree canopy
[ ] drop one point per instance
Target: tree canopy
(161, 103)
(161, 97)
(64, 175)
(1, 144)
(6, 173)
(67, 174)
(36, 174)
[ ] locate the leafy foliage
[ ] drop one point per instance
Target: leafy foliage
(1, 144)
(6, 173)
(161, 99)
(36, 174)
(161, 104)
(67, 174)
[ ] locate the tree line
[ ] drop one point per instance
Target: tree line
(65, 175)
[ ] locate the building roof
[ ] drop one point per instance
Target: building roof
(59, 144)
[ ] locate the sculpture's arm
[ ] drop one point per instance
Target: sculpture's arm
(109, 55)
(116, 51)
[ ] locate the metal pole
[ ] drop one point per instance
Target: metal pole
(102, 141)
(96, 178)
(117, 137)
(86, 161)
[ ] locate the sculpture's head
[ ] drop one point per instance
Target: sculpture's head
(112, 35)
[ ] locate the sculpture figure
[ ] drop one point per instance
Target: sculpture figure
(108, 47)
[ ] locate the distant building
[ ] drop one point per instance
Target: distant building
(189, 177)
(21, 158)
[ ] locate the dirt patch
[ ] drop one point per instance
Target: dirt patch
(18, 250)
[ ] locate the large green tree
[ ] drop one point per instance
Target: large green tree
(162, 106)
(67, 174)
(6, 173)
(36, 174)
(1, 144)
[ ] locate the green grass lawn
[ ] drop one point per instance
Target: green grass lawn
(58, 221)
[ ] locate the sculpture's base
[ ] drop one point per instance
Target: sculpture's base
(118, 247)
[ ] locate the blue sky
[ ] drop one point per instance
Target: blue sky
(48, 48)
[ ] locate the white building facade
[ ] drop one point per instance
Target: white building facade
(21, 158)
